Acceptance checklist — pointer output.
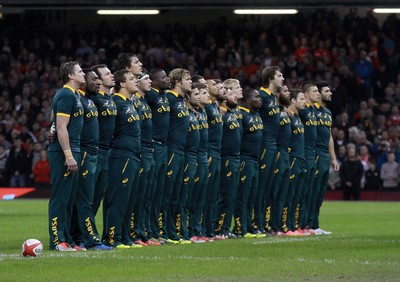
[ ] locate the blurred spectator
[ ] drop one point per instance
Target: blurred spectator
(372, 178)
(351, 173)
(390, 173)
(41, 172)
(3, 168)
(17, 164)
(363, 70)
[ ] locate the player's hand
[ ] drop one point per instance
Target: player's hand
(51, 136)
(71, 164)
(335, 165)
(289, 112)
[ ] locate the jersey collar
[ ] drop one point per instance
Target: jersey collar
(173, 93)
(244, 109)
(266, 90)
(70, 88)
(158, 91)
(121, 96)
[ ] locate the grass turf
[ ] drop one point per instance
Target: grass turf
(365, 245)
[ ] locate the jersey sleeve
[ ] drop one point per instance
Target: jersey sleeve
(65, 105)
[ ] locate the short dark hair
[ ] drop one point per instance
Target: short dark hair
(153, 72)
(119, 77)
(307, 85)
(96, 69)
(248, 93)
(294, 93)
(66, 69)
(322, 84)
(124, 60)
(268, 74)
(196, 78)
(199, 85)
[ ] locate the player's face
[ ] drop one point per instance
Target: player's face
(194, 97)
(238, 91)
(78, 75)
(284, 96)
(255, 101)
(92, 82)
(204, 97)
(107, 78)
(221, 91)
(161, 80)
(131, 84)
(186, 83)
(202, 81)
(313, 94)
(144, 84)
(326, 94)
(212, 88)
(300, 102)
(231, 100)
(136, 66)
(278, 79)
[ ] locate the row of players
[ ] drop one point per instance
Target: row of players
(175, 161)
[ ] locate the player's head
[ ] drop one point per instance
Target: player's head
(72, 71)
(160, 79)
(272, 76)
(130, 62)
(180, 78)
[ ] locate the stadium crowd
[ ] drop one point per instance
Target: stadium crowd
(358, 57)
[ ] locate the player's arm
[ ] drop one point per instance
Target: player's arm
(63, 138)
(332, 154)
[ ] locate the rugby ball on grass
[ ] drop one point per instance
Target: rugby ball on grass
(32, 248)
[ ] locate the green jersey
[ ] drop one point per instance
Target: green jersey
(90, 132)
(179, 122)
(193, 139)
(269, 113)
(324, 124)
(239, 116)
(160, 109)
(309, 121)
(66, 103)
(203, 129)
(297, 139)
(107, 113)
(252, 127)
(284, 132)
(146, 127)
(214, 130)
(231, 136)
(126, 137)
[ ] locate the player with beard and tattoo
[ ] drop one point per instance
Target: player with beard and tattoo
(234, 85)
(252, 127)
(160, 109)
(325, 155)
(272, 78)
(282, 167)
(230, 165)
(214, 159)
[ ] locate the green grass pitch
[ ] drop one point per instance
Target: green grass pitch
(364, 246)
